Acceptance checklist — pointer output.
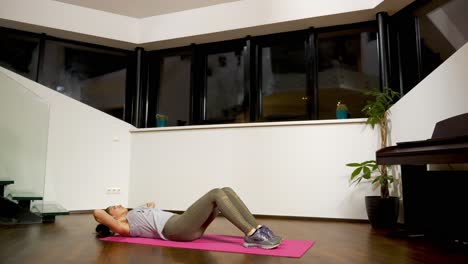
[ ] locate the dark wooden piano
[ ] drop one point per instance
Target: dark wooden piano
(435, 202)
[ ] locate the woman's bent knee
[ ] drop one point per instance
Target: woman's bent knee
(228, 189)
(217, 193)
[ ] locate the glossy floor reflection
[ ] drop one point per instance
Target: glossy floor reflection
(71, 239)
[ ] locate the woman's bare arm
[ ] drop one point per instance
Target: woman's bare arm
(117, 227)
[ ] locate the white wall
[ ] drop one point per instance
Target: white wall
(87, 151)
(70, 21)
(240, 14)
(207, 24)
(293, 170)
(440, 95)
(256, 17)
(24, 120)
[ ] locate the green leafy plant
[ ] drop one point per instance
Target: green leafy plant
(369, 170)
(341, 106)
(377, 110)
(377, 113)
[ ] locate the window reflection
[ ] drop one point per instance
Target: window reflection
(443, 31)
(19, 53)
(93, 76)
(283, 82)
(225, 96)
(174, 91)
(348, 66)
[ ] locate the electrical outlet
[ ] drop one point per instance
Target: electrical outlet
(113, 190)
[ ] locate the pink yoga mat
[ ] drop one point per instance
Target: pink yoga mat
(288, 248)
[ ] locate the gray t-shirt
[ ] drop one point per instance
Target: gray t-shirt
(147, 222)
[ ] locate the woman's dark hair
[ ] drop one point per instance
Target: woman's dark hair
(103, 231)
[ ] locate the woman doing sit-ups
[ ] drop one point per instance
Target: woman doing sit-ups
(147, 221)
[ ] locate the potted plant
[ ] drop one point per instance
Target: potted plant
(382, 210)
(341, 111)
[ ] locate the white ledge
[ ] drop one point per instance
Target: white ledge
(251, 125)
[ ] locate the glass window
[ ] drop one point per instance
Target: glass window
(225, 94)
(348, 66)
(443, 30)
(283, 82)
(93, 76)
(19, 53)
(174, 90)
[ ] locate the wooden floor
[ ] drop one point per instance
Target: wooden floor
(71, 239)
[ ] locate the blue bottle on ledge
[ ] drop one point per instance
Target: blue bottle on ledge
(341, 111)
(161, 120)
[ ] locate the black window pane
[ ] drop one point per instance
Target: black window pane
(93, 76)
(225, 96)
(283, 82)
(19, 53)
(443, 31)
(174, 90)
(348, 67)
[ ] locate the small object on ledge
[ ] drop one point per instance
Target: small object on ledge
(161, 120)
(341, 111)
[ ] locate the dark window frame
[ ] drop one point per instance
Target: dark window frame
(155, 59)
(405, 30)
(42, 38)
(251, 47)
(307, 36)
(203, 51)
(130, 68)
(30, 35)
(341, 30)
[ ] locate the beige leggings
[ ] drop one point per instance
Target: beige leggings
(192, 223)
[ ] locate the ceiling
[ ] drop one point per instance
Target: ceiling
(144, 8)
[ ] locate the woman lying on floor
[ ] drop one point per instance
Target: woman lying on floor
(147, 221)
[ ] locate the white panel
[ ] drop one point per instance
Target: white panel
(296, 170)
(144, 8)
(64, 17)
(442, 94)
(88, 151)
(240, 14)
(24, 121)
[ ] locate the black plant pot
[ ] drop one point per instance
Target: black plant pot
(382, 212)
